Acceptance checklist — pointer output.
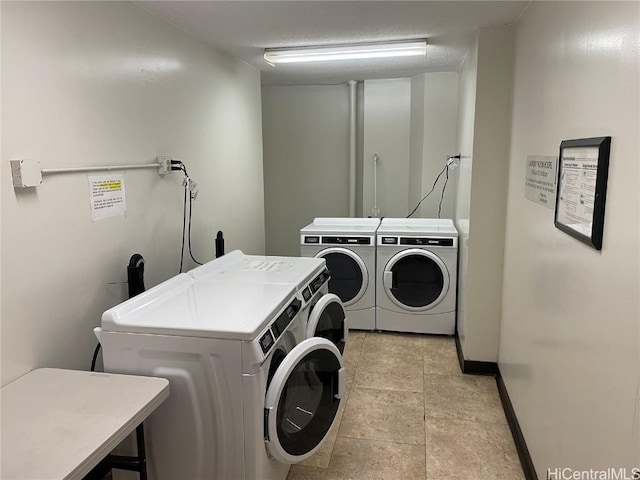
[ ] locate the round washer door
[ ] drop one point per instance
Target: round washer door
(303, 399)
(349, 276)
(328, 320)
(416, 279)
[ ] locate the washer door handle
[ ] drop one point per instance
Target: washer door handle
(388, 278)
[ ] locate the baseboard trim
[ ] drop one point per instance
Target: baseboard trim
(473, 367)
(521, 446)
(480, 368)
(491, 368)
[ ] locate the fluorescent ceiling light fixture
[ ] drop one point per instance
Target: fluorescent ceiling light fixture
(346, 52)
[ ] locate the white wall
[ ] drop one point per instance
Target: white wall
(482, 191)
(93, 83)
(416, 141)
(306, 136)
(570, 336)
(306, 160)
(440, 116)
(467, 79)
(359, 148)
(387, 117)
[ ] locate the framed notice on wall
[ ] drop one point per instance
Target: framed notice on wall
(583, 167)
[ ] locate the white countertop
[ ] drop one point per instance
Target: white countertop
(59, 424)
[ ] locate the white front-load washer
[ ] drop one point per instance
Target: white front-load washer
(246, 398)
(321, 313)
(349, 247)
(417, 275)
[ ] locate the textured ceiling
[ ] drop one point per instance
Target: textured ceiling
(245, 28)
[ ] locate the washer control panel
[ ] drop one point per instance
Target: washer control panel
(266, 341)
(319, 281)
(278, 326)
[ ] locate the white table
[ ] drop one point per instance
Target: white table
(59, 424)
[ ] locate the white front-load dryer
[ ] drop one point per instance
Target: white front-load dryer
(310, 278)
(349, 247)
(417, 275)
(246, 399)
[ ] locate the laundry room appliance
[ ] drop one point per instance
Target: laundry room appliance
(246, 398)
(349, 247)
(321, 313)
(416, 275)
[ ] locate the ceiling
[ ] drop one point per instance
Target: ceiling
(245, 28)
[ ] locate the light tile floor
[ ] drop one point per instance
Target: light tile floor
(410, 413)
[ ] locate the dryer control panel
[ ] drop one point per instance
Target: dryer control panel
(418, 241)
(346, 240)
(353, 240)
(441, 242)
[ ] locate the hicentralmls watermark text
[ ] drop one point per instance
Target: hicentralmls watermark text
(607, 474)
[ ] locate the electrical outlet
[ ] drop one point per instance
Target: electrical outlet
(164, 164)
(26, 173)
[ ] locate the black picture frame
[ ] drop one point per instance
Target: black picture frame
(580, 198)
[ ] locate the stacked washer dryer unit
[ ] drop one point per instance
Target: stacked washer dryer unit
(321, 313)
(416, 275)
(247, 396)
(349, 247)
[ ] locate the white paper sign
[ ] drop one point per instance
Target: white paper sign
(106, 193)
(578, 189)
(540, 180)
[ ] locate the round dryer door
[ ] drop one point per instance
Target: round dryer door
(303, 400)
(328, 320)
(349, 277)
(416, 279)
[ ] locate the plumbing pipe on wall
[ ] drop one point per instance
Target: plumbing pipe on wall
(375, 211)
(352, 147)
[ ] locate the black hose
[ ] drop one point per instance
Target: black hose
(95, 357)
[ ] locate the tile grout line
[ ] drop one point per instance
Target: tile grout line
(355, 369)
(379, 441)
(339, 426)
(424, 410)
(466, 420)
(393, 353)
(388, 390)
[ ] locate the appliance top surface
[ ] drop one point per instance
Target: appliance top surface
(183, 306)
(238, 267)
(418, 226)
(343, 226)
